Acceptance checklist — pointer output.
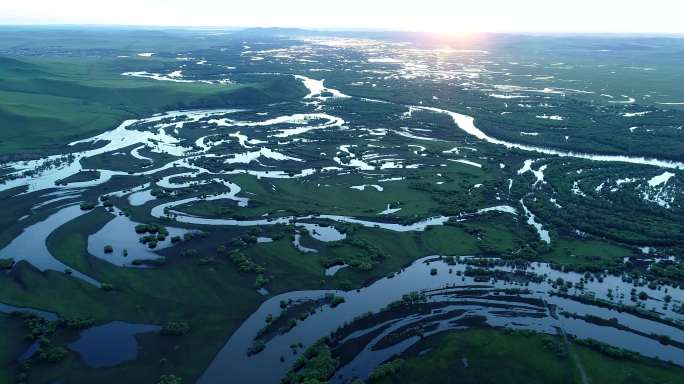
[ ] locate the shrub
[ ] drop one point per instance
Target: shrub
(411, 298)
(334, 300)
(87, 206)
(106, 287)
(77, 322)
(261, 281)
(386, 369)
(52, 354)
(175, 328)
(608, 350)
(6, 263)
(257, 347)
(169, 379)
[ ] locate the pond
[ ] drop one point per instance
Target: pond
(110, 344)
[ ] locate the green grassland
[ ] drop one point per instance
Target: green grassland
(11, 342)
(48, 102)
(573, 252)
(333, 195)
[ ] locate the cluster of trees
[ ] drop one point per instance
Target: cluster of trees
(369, 256)
(608, 350)
(287, 319)
(48, 353)
(245, 264)
(623, 218)
(36, 325)
(76, 322)
(41, 330)
(316, 365)
(155, 233)
(483, 275)
(668, 272)
(409, 299)
(386, 369)
(333, 299)
(594, 131)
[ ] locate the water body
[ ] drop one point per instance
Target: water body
(322, 232)
(31, 245)
(120, 234)
(137, 199)
(318, 232)
(48, 170)
(232, 360)
(532, 220)
(110, 344)
(6, 308)
(331, 271)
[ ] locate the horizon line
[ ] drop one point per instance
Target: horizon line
(332, 29)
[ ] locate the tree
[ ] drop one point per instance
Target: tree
(169, 379)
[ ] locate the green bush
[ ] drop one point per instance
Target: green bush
(169, 379)
(107, 287)
(77, 322)
(256, 348)
(86, 206)
(334, 300)
(175, 328)
(316, 365)
(386, 369)
(6, 263)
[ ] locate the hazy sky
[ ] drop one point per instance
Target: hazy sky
(661, 16)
